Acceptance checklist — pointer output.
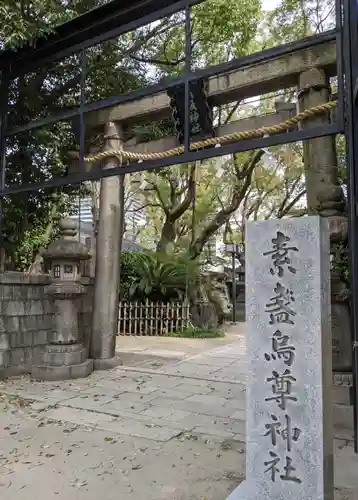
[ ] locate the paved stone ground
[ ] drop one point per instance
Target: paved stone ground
(177, 348)
(163, 429)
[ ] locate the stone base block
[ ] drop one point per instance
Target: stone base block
(342, 388)
(14, 371)
(342, 395)
(107, 364)
(47, 372)
(240, 312)
(343, 416)
(204, 314)
(62, 355)
(4, 358)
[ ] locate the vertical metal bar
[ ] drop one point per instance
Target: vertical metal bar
(350, 59)
(4, 93)
(83, 57)
(4, 101)
(234, 284)
(193, 203)
(187, 83)
(82, 104)
(187, 127)
(340, 69)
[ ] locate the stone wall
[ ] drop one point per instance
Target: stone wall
(26, 319)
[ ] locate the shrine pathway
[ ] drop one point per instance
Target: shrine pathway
(169, 424)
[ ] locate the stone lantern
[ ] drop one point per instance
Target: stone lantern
(64, 357)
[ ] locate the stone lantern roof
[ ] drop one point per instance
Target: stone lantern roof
(67, 246)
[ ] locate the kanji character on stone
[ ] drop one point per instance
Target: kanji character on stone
(278, 306)
(288, 472)
(279, 255)
(275, 429)
(272, 465)
(281, 388)
(281, 349)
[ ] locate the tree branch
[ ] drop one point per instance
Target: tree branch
(179, 210)
(224, 214)
(159, 62)
(289, 207)
(160, 198)
(142, 207)
(233, 110)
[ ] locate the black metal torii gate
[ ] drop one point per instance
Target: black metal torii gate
(121, 16)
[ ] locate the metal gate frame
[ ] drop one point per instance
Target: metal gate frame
(349, 56)
(120, 16)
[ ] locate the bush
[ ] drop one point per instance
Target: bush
(157, 277)
(197, 332)
(339, 252)
(129, 272)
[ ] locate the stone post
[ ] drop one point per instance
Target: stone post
(106, 290)
(64, 357)
(289, 435)
(324, 194)
(325, 198)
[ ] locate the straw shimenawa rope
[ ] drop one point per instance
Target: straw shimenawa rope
(213, 141)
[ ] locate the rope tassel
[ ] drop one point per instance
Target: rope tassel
(214, 141)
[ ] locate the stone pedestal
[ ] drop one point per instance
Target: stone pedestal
(341, 340)
(62, 362)
(64, 357)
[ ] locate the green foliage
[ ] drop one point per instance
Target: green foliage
(154, 130)
(130, 262)
(41, 154)
(341, 159)
(197, 332)
(153, 52)
(161, 277)
(29, 218)
(26, 20)
(339, 253)
(223, 29)
(294, 19)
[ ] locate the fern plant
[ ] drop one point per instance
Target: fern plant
(162, 277)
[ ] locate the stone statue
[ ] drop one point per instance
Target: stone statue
(218, 294)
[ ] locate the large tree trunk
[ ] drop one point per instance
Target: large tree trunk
(244, 176)
(36, 266)
(175, 210)
(168, 235)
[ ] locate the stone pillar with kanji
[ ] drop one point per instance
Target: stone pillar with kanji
(64, 357)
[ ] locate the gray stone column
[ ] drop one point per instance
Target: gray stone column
(324, 194)
(325, 198)
(106, 291)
